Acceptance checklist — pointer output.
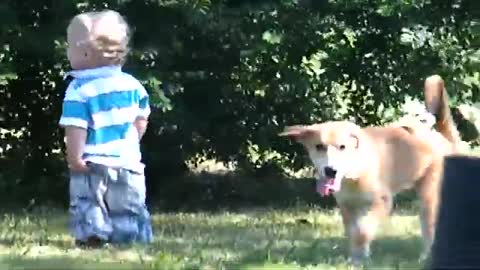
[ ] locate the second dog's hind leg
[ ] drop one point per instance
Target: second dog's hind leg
(428, 192)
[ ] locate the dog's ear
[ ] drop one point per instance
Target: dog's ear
(355, 140)
(355, 136)
(297, 132)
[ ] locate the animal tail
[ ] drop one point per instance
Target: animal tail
(436, 102)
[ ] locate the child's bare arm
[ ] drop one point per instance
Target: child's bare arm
(141, 126)
(76, 138)
(141, 121)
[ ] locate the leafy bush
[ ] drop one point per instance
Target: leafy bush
(226, 76)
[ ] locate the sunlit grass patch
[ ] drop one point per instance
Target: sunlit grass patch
(299, 238)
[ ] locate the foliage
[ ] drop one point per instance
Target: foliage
(225, 76)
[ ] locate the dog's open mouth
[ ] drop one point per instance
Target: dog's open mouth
(327, 186)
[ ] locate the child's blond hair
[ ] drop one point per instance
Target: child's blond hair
(108, 35)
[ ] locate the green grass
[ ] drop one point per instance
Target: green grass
(300, 238)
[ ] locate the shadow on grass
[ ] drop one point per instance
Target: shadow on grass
(63, 263)
(207, 191)
(236, 246)
(387, 253)
(211, 192)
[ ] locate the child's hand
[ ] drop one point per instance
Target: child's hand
(75, 141)
(78, 165)
(141, 126)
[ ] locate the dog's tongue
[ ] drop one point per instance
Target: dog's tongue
(328, 186)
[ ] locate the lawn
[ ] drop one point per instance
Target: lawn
(297, 238)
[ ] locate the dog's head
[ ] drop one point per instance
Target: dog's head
(333, 148)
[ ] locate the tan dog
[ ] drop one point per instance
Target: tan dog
(365, 167)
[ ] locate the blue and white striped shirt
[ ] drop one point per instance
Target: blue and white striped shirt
(106, 101)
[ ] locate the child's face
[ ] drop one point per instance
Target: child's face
(78, 51)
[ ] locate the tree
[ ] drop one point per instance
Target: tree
(226, 76)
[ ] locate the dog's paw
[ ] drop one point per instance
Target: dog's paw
(358, 262)
(424, 257)
(359, 258)
(355, 264)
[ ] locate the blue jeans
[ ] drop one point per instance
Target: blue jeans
(109, 204)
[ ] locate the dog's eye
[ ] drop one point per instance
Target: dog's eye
(320, 147)
(342, 147)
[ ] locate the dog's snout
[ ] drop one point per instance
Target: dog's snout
(329, 172)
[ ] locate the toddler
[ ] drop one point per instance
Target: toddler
(105, 112)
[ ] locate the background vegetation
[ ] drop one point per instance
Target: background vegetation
(225, 76)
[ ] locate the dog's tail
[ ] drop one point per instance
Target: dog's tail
(436, 101)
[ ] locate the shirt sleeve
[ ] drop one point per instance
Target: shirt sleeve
(74, 108)
(144, 103)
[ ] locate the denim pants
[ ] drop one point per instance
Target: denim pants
(109, 204)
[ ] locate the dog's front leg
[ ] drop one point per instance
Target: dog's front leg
(359, 228)
(363, 228)
(428, 191)
(361, 232)
(346, 219)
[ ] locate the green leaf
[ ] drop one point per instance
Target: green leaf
(272, 37)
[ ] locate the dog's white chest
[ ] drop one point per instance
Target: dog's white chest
(351, 194)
